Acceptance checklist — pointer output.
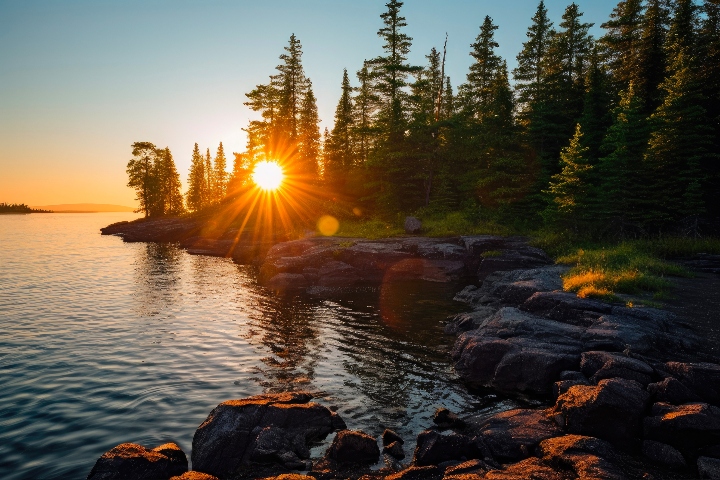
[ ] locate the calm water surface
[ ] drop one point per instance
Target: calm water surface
(103, 342)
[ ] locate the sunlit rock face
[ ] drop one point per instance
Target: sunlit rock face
(130, 460)
(272, 430)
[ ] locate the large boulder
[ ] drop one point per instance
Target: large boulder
(702, 379)
(434, 448)
(351, 446)
(663, 454)
(686, 427)
(514, 434)
(612, 410)
(273, 428)
(130, 460)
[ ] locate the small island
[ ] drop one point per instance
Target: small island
(20, 208)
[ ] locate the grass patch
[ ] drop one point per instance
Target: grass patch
(457, 223)
(373, 229)
(633, 268)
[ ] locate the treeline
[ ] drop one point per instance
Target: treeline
(616, 134)
(20, 208)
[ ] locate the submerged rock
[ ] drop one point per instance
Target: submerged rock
(272, 429)
(130, 460)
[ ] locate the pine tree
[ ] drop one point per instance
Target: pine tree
(170, 186)
(530, 75)
(621, 170)
(448, 101)
(240, 177)
(570, 190)
(681, 142)
(621, 43)
(566, 63)
(651, 62)
(596, 117)
(477, 92)
(220, 175)
(197, 182)
(293, 83)
(709, 73)
(142, 176)
(366, 103)
(309, 136)
(339, 153)
(681, 37)
(391, 72)
(209, 188)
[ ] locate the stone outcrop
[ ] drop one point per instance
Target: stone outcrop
(351, 446)
(266, 429)
(515, 434)
(130, 460)
(612, 410)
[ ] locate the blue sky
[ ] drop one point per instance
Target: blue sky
(80, 80)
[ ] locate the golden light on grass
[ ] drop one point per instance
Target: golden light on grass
(268, 175)
(328, 225)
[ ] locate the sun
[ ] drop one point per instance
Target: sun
(268, 175)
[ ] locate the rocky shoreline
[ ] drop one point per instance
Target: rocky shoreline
(621, 392)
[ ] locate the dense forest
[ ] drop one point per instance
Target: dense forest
(618, 135)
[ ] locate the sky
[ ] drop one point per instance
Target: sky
(81, 80)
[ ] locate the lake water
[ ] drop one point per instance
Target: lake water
(103, 342)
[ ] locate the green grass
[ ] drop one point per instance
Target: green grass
(638, 267)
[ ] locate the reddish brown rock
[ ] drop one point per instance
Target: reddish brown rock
(514, 435)
(271, 429)
(612, 410)
(130, 460)
(193, 475)
(350, 446)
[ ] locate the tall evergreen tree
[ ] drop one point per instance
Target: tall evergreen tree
(621, 170)
(366, 104)
(477, 92)
(293, 84)
(197, 182)
(621, 43)
(596, 117)
(220, 176)
(309, 135)
(681, 37)
(681, 142)
(339, 152)
(208, 198)
(170, 186)
(142, 176)
(391, 72)
(393, 177)
(531, 75)
(709, 72)
(566, 63)
(652, 57)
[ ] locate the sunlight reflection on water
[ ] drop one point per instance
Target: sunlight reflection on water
(103, 342)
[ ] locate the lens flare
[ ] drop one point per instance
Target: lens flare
(328, 225)
(268, 175)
